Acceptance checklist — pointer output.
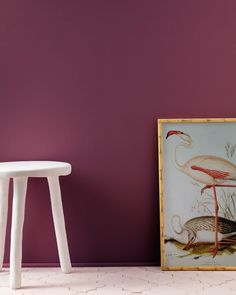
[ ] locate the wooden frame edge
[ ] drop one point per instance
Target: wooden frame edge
(197, 120)
(200, 268)
(161, 204)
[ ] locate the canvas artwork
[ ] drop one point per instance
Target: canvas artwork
(197, 181)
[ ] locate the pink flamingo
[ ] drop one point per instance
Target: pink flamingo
(209, 170)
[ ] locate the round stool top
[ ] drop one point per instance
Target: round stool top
(34, 169)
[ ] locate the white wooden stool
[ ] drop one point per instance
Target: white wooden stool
(20, 171)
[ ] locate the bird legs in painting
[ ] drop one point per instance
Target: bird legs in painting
(216, 247)
(213, 250)
(189, 245)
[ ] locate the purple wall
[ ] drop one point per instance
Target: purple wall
(84, 82)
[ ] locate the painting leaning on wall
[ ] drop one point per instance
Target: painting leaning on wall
(197, 180)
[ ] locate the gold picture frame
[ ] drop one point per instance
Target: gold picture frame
(210, 262)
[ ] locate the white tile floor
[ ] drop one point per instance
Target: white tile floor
(120, 280)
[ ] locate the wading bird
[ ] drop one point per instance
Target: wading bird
(201, 229)
(212, 171)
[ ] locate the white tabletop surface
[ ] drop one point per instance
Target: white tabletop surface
(34, 168)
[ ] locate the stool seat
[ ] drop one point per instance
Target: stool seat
(34, 169)
(20, 172)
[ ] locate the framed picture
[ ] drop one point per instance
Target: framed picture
(197, 185)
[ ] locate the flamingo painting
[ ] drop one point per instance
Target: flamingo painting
(209, 170)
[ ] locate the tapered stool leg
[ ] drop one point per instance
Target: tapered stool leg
(4, 188)
(18, 212)
(59, 223)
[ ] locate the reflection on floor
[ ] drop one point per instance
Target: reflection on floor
(120, 280)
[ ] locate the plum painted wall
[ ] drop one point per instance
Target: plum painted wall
(84, 82)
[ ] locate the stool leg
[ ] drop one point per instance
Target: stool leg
(18, 212)
(4, 188)
(59, 223)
